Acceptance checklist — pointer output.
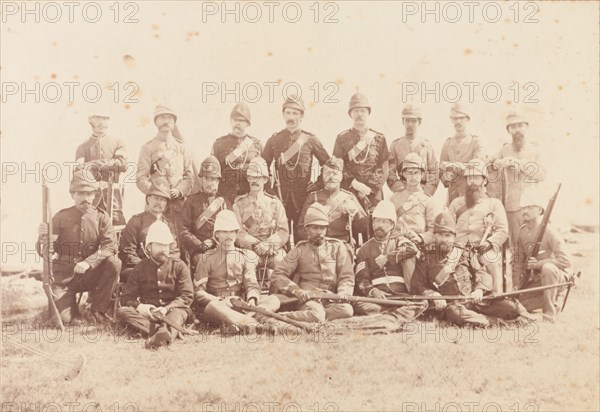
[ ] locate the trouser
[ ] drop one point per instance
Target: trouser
(480, 313)
(402, 313)
(547, 300)
(293, 214)
(101, 203)
(220, 312)
(317, 311)
(514, 224)
(100, 280)
(131, 317)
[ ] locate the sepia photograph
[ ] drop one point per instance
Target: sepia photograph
(310, 205)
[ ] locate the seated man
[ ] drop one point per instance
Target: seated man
(133, 237)
(552, 264)
(84, 239)
(318, 264)
(447, 269)
(199, 211)
(414, 208)
(228, 272)
(262, 216)
(379, 271)
(343, 206)
(159, 283)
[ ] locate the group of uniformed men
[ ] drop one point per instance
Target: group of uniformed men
(207, 237)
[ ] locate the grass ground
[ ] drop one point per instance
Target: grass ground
(537, 367)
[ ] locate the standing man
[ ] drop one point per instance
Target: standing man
(132, 245)
(199, 212)
(105, 158)
(262, 216)
(552, 265)
(379, 266)
(166, 156)
(410, 143)
(235, 151)
(157, 286)
(228, 272)
(85, 242)
(519, 163)
(365, 155)
(457, 151)
(292, 150)
(343, 207)
(319, 264)
(449, 270)
(481, 221)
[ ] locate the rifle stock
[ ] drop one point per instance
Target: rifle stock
(47, 251)
(241, 305)
(184, 331)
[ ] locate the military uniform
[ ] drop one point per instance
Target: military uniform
(222, 273)
(102, 156)
(459, 151)
(293, 155)
(471, 226)
(399, 149)
(530, 172)
(466, 277)
(263, 219)
(324, 268)
(339, 203)
(133, 240)
(234, 153)
(389, 278)
(415, 211)
(366, 160)
(81, 237)
(168, 285)
(197, 222)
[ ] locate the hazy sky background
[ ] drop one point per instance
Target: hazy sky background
(175, 50)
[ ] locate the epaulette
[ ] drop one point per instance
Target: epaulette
(239, 197)
(269, 195)
(301, 242)
(376, 132)
(221, 138)
(307, 133)
(343, 133)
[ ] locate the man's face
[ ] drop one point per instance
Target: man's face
(518, 132)
(530, 213)
(411, 124)
(332, 179)
(460, 123)
(157, 204)
(99, 125)
(165, 122)
(257, 184)
(226, 237)
(475, 181)
(360, 116)
(475, 190)
(159, 252)
(292, 118)
(83, 200)
(444, 240)
(316, 234)
(209, 184)
(238, 127)
(413, 177)
(382, 227)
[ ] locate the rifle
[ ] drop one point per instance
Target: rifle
(109, 196)
(240, 305)
(506, 275)
(366, 204)
(486, 297)
(162, 318)
(571, 283)
(47, 274)
(540, 234)
(355, 299)
(264, 274)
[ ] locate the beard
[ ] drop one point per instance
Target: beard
(380, 232)
(161, 257)
(473, 194)
(317, 240)
(518, 140)
(444, 248)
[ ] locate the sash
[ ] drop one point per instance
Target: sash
(242, 148)
(209, 212)
(361, 145)
(294, 149)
